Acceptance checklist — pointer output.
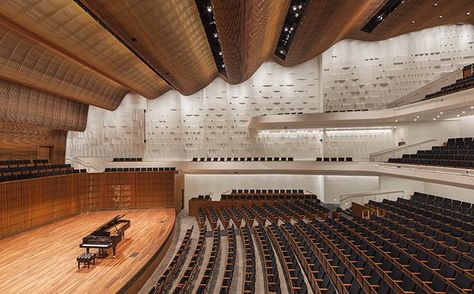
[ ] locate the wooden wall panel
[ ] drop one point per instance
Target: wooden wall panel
(248, 32)
(65, 25)
(168, 34)
(22, 141)
(19, 104)
(25, 61)
(30, 203)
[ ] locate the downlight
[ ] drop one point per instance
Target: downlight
(209, 23)
(295, 13)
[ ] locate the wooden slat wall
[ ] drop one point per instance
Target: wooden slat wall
(31, 203)
(21, 141)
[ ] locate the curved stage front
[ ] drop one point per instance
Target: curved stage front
(43, 260)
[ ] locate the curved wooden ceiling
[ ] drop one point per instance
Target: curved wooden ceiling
(248, 33)
(22, 105)
(416, 15)
(24, 61)
(168, 34)
(65, 25)
(95, 51)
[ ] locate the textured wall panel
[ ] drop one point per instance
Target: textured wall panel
(212, 122)
(68, 27)
(248, 33)
(168, 34)
(27, 62)
(369, 75)
(20, 105)
(326, 22)
(22, 141)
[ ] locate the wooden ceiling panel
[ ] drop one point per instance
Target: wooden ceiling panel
(326, 22)
(66, 26)
(248, 32)
(415, 15)
(23, 105)
(25, 61)
(168, 34)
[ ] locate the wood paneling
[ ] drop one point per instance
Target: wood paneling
(326, 22)
(423, 13)
(43, 260)
(168, 34)
(19, 104)
(63, 24)
(248, 33)
(22, 141)
(25, 61)
(29, 203)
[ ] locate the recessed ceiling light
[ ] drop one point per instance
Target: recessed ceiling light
(441, 112)
(414, 119)
(300, 6)
(297, 15)
(468, 13)
(294, 7)
(417, 116)
(436, 4)
(396, 120)
(286, 29)
(437, 116)
(209, 8)
(472, 107)
(412, 21)
(434, 118)
(440, 16)
(463, 112)
(458, 115)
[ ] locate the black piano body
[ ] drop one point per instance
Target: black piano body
(106, 236)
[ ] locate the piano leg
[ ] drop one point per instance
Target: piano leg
(87, 250)
(113, 249)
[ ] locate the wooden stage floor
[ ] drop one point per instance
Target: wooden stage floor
(43, 260)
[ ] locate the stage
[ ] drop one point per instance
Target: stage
(43, 260)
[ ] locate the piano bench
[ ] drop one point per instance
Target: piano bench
(86, 259)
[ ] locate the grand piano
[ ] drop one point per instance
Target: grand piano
(106, 236)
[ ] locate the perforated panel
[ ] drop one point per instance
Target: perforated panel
(21, 105)
(168, 34)
(25, 61)
(64, 24)
(248, 32)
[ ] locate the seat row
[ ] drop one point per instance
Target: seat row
(228, 159)
(460, 85)
(249, 260)
(174, 267)
(194, 265)
(204, 284)
(273, 197)
(30, 172)
(128, 159)
(19, 162)
(267, 191)
(333, 159)
(456, 152)
(230, 261)
(461, 207)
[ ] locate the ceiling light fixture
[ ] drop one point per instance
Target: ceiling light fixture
(209, 9)
(436, 4)
(468, 13)
(412, 21)
(441, 112)
(440, 16)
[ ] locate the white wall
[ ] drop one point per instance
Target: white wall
(358, 75)
(335, 186)
(216, 185)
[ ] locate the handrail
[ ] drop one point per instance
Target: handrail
(88, 165)
(364, 197)
(398, 148)
(369, 193)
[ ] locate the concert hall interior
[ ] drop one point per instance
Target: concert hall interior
(237, 146)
